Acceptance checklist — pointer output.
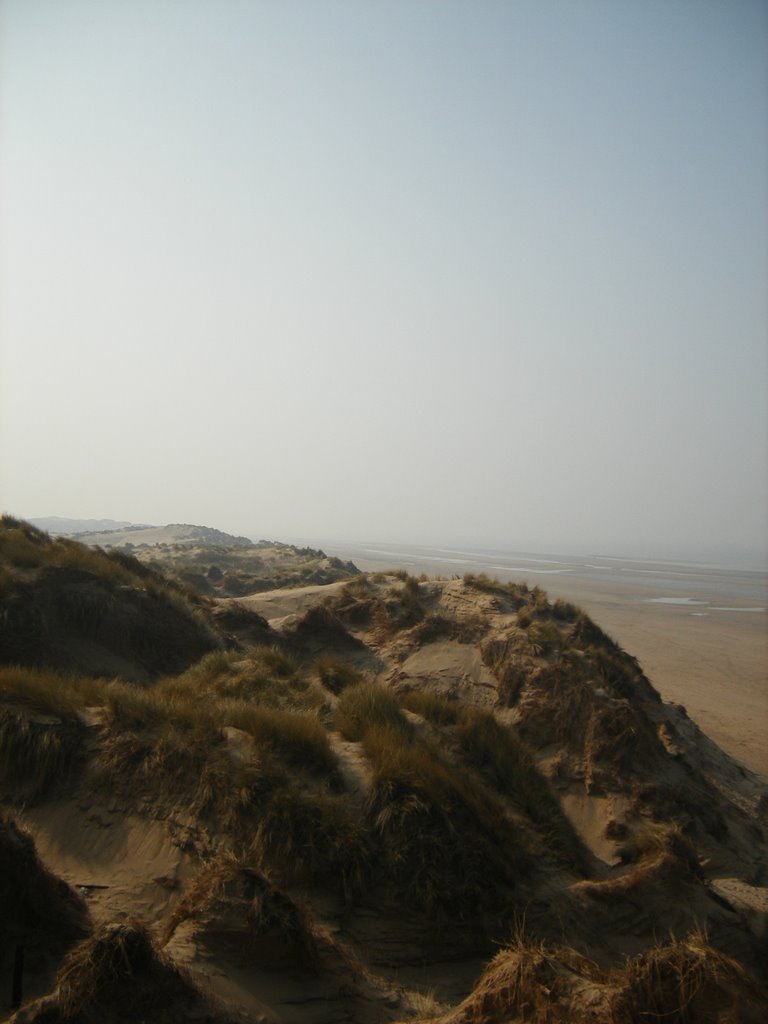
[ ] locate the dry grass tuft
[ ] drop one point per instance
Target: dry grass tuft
(529, 983)
(118, 975)
(436, 709)
(302, 838)
(504, 761)
(229, 896)
(445, 841)
(366, 706)
(687, 982)
(336, 675)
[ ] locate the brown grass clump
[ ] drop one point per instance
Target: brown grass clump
(688, 982)
(40, 733)
(445, 841)
(243, 624)
(510, 595)
(321, 629)
(336, 675)
(312, 838)
(369, 705)
(504, 657)
(399, 609)
(36, 752)
(529, 983)
(356, 602)
(118, 975)
(436, 709)
(685, 982)
(503, 760)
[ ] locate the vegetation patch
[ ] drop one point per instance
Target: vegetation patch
(436, 709)
(502, 759)
(229, 896)
(368, 706)
(445, 842)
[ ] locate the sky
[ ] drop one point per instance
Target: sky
(488, 273)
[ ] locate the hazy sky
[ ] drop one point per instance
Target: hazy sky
(450, 272)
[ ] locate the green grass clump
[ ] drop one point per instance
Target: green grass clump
(369, 705)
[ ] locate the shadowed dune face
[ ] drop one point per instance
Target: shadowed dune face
(67, 607)
(397, 774)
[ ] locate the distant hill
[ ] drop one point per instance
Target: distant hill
(62, 526)
(212, 562)
(151, 536)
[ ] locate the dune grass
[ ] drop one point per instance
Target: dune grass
(310, 837)
(40, 733)
(436, 709)
(336, 675)
(369, 705)
(687, 981)
(230, 884)
(504, 761)
(444, 841)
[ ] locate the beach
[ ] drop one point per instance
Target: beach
(699, 631)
